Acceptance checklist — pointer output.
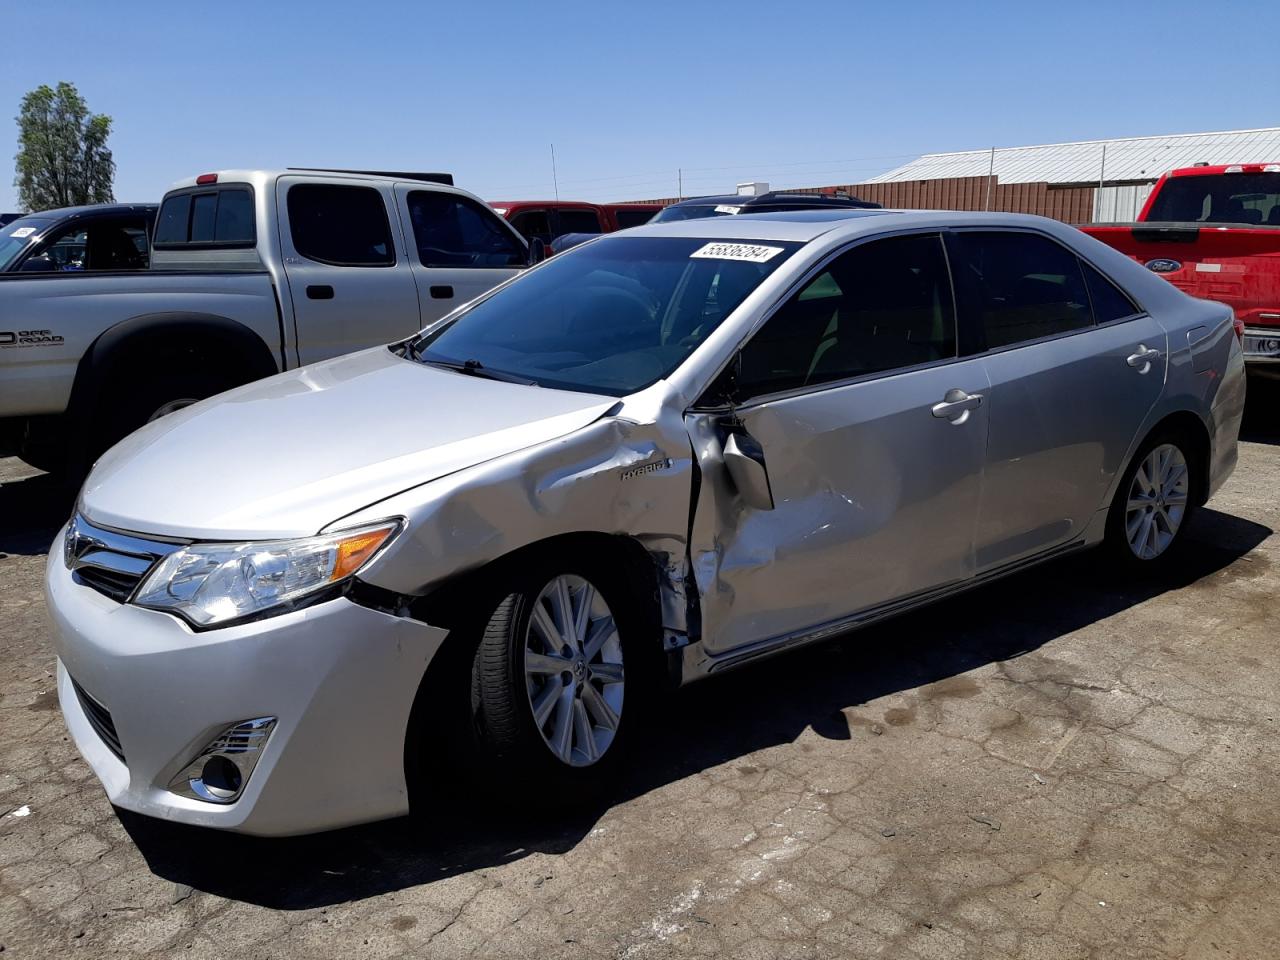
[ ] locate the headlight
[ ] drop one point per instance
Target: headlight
(212, 583)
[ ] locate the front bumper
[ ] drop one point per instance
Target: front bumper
(340, 677)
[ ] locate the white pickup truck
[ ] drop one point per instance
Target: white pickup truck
(252, 272)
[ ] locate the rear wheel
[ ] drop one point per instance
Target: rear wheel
(1153, 503)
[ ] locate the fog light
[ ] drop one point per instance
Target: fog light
(221, 778)
(221, 770)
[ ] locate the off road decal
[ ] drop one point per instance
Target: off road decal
(29, 338)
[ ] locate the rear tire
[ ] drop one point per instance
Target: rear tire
(1156, 499)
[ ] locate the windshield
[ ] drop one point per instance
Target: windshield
(1245, 198)
(612, 316)
(693, 211)
(17, 236)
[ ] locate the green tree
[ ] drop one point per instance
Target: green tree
(62, 158)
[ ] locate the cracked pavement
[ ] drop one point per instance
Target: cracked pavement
(1057, 766)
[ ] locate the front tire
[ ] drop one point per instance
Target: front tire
(561, 672)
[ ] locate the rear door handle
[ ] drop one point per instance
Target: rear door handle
(441, 291)
(319, 291)
(1141, 360)
(955, 406)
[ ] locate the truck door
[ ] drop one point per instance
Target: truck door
(349, 275)
(461, 247)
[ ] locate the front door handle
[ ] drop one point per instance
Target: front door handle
(955, 406)
(1141, 361)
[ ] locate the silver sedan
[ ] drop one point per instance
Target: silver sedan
(662, 454)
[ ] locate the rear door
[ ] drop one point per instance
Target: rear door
(460, 248)
(349, 274)
(1074, 368)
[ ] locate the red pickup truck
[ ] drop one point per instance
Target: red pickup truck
(1214, 232)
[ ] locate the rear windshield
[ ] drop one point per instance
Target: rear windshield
(612, 316)
(17, 236)
(693, 211)
(1244, 198)
(218, 217)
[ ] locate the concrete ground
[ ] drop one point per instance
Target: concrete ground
(1058, 766)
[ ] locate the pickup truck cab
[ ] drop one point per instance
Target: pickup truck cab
(1214, 232)
(252, 272)
(98, 237)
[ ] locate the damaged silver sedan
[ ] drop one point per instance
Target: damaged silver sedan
(667, 452)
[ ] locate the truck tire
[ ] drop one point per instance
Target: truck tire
(121, 410)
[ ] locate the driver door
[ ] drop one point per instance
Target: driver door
(872, 432)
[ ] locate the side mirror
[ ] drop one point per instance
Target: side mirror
(40, 264)
(744, 458)
(537, 251)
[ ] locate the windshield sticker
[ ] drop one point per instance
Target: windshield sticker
(749, 252)
(726, 208)
(23, 232)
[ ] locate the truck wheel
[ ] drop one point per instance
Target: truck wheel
(122, 410)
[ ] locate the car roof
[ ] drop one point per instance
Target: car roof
(746, 201)
(93, 210)
(558, 204)
(804, 226)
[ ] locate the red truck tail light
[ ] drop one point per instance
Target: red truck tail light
(206, 178)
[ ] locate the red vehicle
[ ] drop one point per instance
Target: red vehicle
(547, 219)
(1214, 232)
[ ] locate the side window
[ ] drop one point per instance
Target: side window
(204, 218)
(63, 252)
(578, 221)
(632, 218)
(116, 245)
(533, 225)
(881, 306)
(1109, 301)
(1022, 286)
(455, 231)
(340, 225)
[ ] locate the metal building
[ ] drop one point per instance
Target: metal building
(1081, 182)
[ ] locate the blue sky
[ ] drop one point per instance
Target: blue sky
(794, 93)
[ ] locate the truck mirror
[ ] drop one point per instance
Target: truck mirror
(537, 251)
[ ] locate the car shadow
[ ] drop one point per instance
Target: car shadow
(31, 511)
(717, 722)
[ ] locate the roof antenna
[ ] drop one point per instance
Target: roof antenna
(554, 181)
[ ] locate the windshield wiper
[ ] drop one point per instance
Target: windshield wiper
(473, 368)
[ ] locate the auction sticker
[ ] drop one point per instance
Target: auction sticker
(726, 208)
(749, 252)
(23, 232)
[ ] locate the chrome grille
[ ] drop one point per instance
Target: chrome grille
(111, 563)
(99, 718)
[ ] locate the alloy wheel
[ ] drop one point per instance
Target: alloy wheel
(573, 670)
(1157, 501)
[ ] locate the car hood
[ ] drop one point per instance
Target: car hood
(288, 455)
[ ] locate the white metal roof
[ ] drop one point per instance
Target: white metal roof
(1133, 158)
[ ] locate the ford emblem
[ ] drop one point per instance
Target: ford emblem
(1162, 265)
